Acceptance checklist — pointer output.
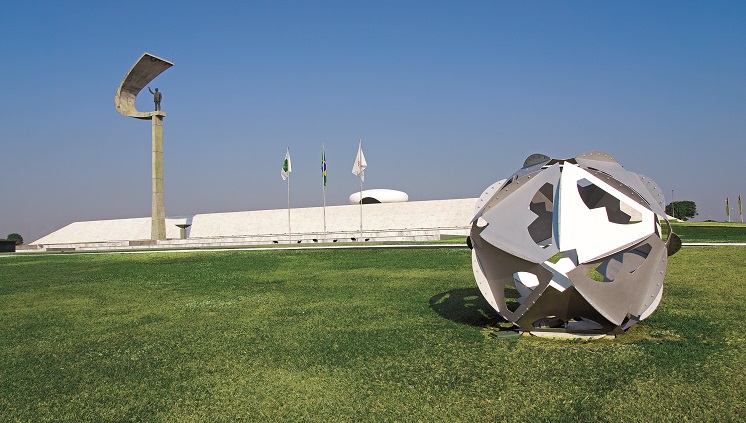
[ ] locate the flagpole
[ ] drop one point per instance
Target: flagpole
(323, 182)
(285, 173)
(324, 211)
(361, 209)
(361, 198)
(358, 169)
(289, 230)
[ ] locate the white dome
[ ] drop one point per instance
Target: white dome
(379, 196)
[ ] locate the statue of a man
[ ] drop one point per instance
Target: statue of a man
(157, 96)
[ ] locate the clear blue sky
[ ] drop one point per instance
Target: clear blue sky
(448, 97)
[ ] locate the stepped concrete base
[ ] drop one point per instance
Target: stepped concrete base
(238, 241)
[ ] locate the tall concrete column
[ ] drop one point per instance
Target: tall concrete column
(144, 71)
(158, 219)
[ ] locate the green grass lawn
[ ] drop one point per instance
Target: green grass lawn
(355, 335)
(710, 231)
(730, 232)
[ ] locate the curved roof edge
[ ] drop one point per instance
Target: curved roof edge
(380, 195)
(147, 68)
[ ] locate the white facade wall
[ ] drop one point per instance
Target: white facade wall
(445, 216)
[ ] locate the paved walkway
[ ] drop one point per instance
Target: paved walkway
(326, 247)
(714, 244)
(217, 249)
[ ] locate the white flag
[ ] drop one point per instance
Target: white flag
(360, 165)
(286, 166)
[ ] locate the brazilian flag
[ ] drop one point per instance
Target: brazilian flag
(323, 165)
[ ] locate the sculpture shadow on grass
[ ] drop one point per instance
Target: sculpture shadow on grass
(466, 306)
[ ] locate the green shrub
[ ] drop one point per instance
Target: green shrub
(15, 237)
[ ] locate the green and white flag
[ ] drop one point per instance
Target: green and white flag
(286, 166)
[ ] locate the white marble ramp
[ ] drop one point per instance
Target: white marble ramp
(435, 217)
(107, 230)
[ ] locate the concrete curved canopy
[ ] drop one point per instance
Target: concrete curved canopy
(147, 68)
(379, 196)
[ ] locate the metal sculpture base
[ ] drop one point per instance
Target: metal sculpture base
(562, 334)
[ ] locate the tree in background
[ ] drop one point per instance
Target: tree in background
(15, 237)
(683, 210)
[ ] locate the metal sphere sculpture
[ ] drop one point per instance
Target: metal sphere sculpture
(572, 245)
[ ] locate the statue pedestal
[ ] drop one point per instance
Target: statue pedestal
(183, 227)
(158, 222)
